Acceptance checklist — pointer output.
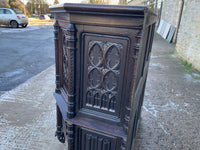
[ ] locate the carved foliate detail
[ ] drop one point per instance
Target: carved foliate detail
(103, 72)
(65, 61)
(69, 48)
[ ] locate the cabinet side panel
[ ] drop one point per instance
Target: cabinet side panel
(140, 85)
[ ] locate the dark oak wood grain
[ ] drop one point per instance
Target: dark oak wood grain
(102, 58)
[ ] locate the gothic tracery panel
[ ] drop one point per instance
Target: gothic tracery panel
(103, 74)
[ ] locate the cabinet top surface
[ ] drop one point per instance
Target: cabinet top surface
(99, 8)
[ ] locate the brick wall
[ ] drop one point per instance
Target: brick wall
(188, 41)
(170, 11)
(188, 38)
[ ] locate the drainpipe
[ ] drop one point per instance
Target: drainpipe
(179, 19)
(160, 13)
(156, 9)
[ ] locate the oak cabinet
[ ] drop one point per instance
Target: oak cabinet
(102, 57)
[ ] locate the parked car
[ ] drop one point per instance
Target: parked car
(51, 16)
(12, 17)
(44, 17)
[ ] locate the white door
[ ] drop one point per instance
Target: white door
(8, 16)
(2, 16)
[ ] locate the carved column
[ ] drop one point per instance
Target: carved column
(70, 136)
(56, 34)
(59, 132)
(71, 49)
(123, 144)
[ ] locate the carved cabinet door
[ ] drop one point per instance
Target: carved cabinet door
(103, 63)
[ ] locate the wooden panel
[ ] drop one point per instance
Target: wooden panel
(62, 16)
(131, 73)
(92, 140)
(104, 59)
(63, 19)
(99, 126)
(151, 17)
(106, 20)
(138, 94)
(99, 9)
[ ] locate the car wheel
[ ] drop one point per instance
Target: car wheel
(24, 25)
(14, 24)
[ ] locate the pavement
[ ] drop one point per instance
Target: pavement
(169, 119)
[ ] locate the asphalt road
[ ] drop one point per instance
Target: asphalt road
(24, 53)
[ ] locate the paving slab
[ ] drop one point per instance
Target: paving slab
(28, 115)
(170, 115)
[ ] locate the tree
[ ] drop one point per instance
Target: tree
(122, 1)
(56, 2)
(4, 4)
(98, 2)
(38, 7)
(13, 4)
